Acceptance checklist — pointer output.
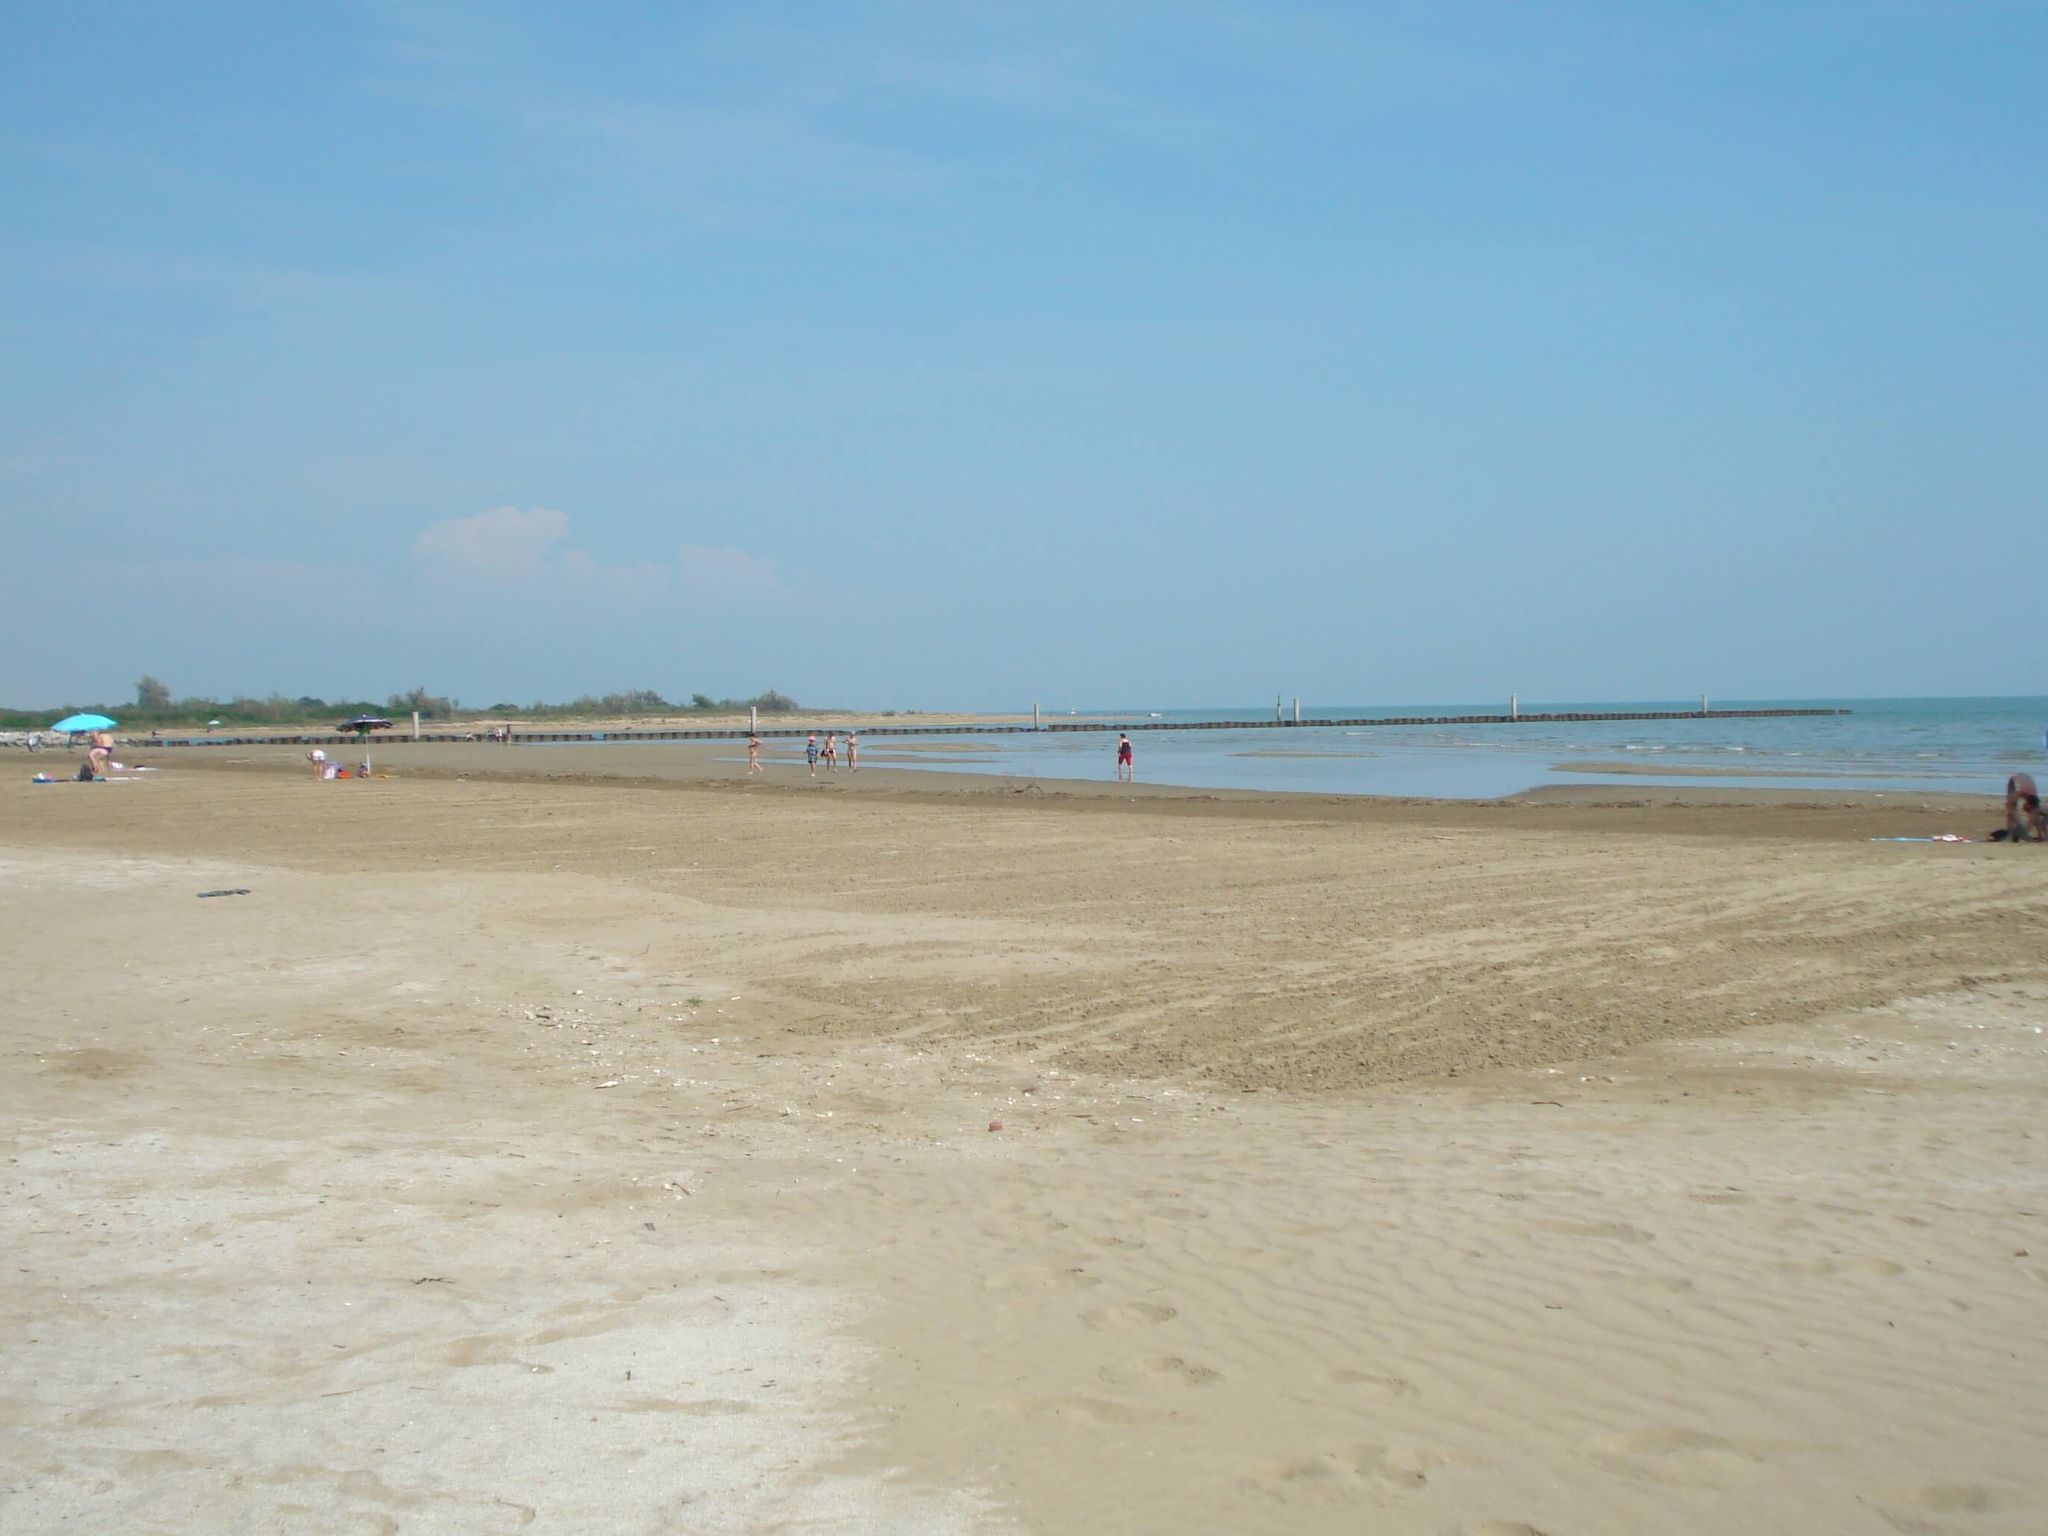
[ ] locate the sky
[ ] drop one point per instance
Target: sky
(923, 355)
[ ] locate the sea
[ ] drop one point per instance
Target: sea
(1967, 745)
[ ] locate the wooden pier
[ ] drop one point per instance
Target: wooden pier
(384, 740)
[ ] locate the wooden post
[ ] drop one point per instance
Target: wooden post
(1514, 707)
(1703, 703)
(753, 719)
(1034, 716)
(1297, 711)
(415, 725)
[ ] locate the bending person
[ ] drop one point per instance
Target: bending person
(2023, 815)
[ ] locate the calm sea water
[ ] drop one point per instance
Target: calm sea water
(1885, 744)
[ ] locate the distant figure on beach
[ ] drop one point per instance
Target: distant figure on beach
(811, 753)
(99, 752)
(753, 754)
(318, 761)
(1126, 769)
(853, 751)
(35, 741)
(2023, 815)
(831, 751)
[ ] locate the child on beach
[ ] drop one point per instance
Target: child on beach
(811, 753)
(753, 754)
(853, 752)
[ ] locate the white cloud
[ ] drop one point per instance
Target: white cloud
(641, 582)
(515, 547)
(728, 575)
(503, 544)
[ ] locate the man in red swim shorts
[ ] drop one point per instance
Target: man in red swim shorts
(1126, 770)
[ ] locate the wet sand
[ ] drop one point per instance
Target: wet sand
(584, 1152)
(1717, 771)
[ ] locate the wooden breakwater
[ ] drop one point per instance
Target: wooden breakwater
(382, 740)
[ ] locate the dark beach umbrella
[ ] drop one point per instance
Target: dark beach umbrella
(362, 725)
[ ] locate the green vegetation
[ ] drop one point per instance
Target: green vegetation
(154, 708)
(642, 702)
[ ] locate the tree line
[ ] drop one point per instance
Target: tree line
(155, 705)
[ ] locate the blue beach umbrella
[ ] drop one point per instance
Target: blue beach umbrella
(73, 724)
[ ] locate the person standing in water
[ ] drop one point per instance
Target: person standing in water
(1126, 769)
(831, 751)
(853, 751)
(754, 754)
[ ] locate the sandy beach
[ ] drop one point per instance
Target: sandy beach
(535, 1142)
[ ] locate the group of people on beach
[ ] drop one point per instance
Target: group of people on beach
(814, 754)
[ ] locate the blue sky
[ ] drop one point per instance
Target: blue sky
(960, 355)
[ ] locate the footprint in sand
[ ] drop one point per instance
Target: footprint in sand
(1505, 1528)
(701, 1407)
(1883, 1268)
(1332, 1475)
(1944, 1498)
(1168, 1369)
(1393, 1386)
(1613, 1231)
(1676, 1458)
(1031, 1223)
(1125, 1315)
(1675, 1285)
(1095, 1411)
(1032, 1277)
(484, 1349)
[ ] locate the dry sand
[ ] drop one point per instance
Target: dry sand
(573, 1155)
